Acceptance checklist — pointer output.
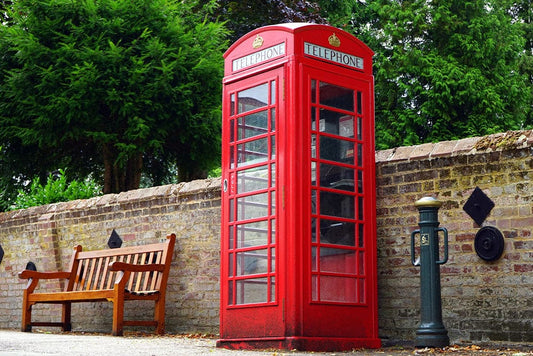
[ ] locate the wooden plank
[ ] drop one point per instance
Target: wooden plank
(90, 276)
(139, 275)
(111, 278)
(135, 261)
(105, 273)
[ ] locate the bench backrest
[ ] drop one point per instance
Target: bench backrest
(92, 267)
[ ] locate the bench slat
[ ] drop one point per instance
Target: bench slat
(135, 260)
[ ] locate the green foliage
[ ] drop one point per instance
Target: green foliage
(243, 16)
(444, 69)
(111, 84)
(57, 189)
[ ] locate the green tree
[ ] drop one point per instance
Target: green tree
(111, 84)
(444, 69)
(522, 14)
(243, 16)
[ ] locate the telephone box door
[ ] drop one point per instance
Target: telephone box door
(341, 245)
(250, 289)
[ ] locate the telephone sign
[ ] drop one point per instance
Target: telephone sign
(298, 241)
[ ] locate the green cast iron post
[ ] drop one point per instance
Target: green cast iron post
(431, 331)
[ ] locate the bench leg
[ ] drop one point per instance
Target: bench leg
(26, 318)
(160, 316)
(118, 317)
(65, 317)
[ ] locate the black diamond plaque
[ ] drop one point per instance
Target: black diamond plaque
(1, 253)
(114, 240)
(478, 206)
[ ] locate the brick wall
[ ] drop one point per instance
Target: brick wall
(46, 236)
(482, 301)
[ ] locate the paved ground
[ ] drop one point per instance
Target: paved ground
(41, 343)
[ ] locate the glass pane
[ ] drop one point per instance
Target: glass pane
(359, 128)
(273, 175)
(359, 102)
(360, 207)
(313, 173)
(361, 235)
(230, 292)
(272, 203)
(252, 234)
(272, 260)
(313, 202)
(313, 91)
(252, 152)
(360, 155)
(337, 232)
(253, 206)
(230, 272)
(272, 231)
(231, 238)
(272, 289)
(313, 119)
(252, 179)
(336, 123)
(272, 92)
(361, 263)
(362, 291)
(231, 210)
(313, 229)
(337, 260)
(252, 262)
(232, 157)
(333, 149)
(338, 289)
(336, 96)
(272, 119)
(273, 147)
(314, 288)
(232, 105)
(334, 204)
(252, 125)
(253, 98)
(314, 264)
(231, 130)
(252, 291)
(360, 182)
(336, 177)
(313, 146)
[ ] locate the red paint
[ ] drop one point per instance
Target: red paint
(298, 244)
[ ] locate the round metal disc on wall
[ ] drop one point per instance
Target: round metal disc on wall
(489, 243)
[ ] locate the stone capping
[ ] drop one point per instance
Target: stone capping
(467, 146)
(177, 190)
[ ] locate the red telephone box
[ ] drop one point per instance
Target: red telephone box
(298, 244)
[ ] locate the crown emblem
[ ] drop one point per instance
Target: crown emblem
(258, 42)
(334, 40)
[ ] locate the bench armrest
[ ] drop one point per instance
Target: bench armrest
(28, 274)
(122, 266)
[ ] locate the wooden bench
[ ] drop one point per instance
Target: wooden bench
(114, 275)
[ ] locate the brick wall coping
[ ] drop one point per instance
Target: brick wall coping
(471, 145)
(177, 190)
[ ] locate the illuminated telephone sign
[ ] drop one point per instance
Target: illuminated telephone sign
(298, 240)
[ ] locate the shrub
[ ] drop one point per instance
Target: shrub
(56, 189)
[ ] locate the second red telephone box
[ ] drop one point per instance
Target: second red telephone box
(298, 242)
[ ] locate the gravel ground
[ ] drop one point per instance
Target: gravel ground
(76, 343)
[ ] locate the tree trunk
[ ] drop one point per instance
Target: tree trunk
(120, 178)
